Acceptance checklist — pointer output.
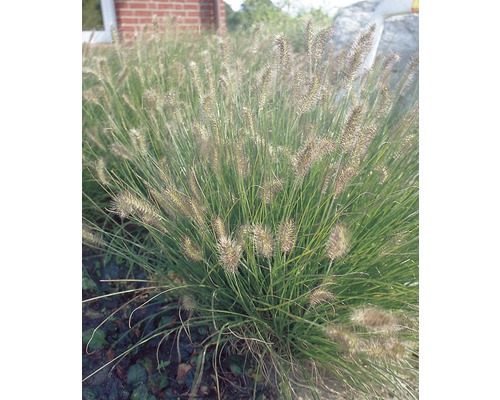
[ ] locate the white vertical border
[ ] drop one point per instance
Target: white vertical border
(109, 22)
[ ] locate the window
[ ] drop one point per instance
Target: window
(98, 18)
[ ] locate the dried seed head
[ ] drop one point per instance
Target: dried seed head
(310, 97)
(387, 66)
(338, 243)
(311, 151)
(229, 254)
(187, 303)
(283, 50)
(198, 214)
(102, 173)
(164, 203)
(407, 78)
(270, 189)
(319, 42)
(385, 349)
(104, 68)
(304, 159)
(121, 151)
(385, 100)
(241, 159)
(319, 296)
(123, 76)
(375, 319)
(351, 128)
(383, 173)
(194, 184)
(208, 107)
(308, 31)
(263, 241)
(287, 236)
(343, 178)
(126, 204)
(139, 141)
(219, 228)
(193, 67)
(180, 202)
(359, 50)
(149, 99)
(364, 141)
(264, 85)
(346, 338)
(191, 251)
(243, 232)
(91, 238)
(127, 101)
(249, 119)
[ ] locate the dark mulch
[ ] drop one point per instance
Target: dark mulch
(158, 369)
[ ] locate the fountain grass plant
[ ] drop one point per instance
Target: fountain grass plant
(274, 194)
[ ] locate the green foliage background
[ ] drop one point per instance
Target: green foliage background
(92, 15)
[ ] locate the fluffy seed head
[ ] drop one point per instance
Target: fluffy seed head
(194, 186)
(319, 42)
(287, 236)
(121, 151)
(122, 77)
(190, 250)
(219, 228)
(139, 141)
(229, 254)
(283, 49)
(180, 202)
(198, 213)
(387, 66)
(383, 173)
(187, 303)
(126, 204)
(375, 319)
(343, 178)
(102, 173)
(265, 85)
(319, 296)
(338, 243)
(385, 349)
(364, 141)
(351, 127)
(357, 54)
(310, 97)
(91, 238)
(346, 338)
(241, 159)
(312, 150)
(270, 189)
(263, 241)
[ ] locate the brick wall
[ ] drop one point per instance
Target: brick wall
(197, 15)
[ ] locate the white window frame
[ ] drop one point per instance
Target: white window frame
(109, 22)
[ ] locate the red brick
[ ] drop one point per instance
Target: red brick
(143, 13)
(138, 6)
(165, 6)
(128, 21)
(125, 13)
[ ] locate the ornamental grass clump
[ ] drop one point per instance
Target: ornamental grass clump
(274, 194)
